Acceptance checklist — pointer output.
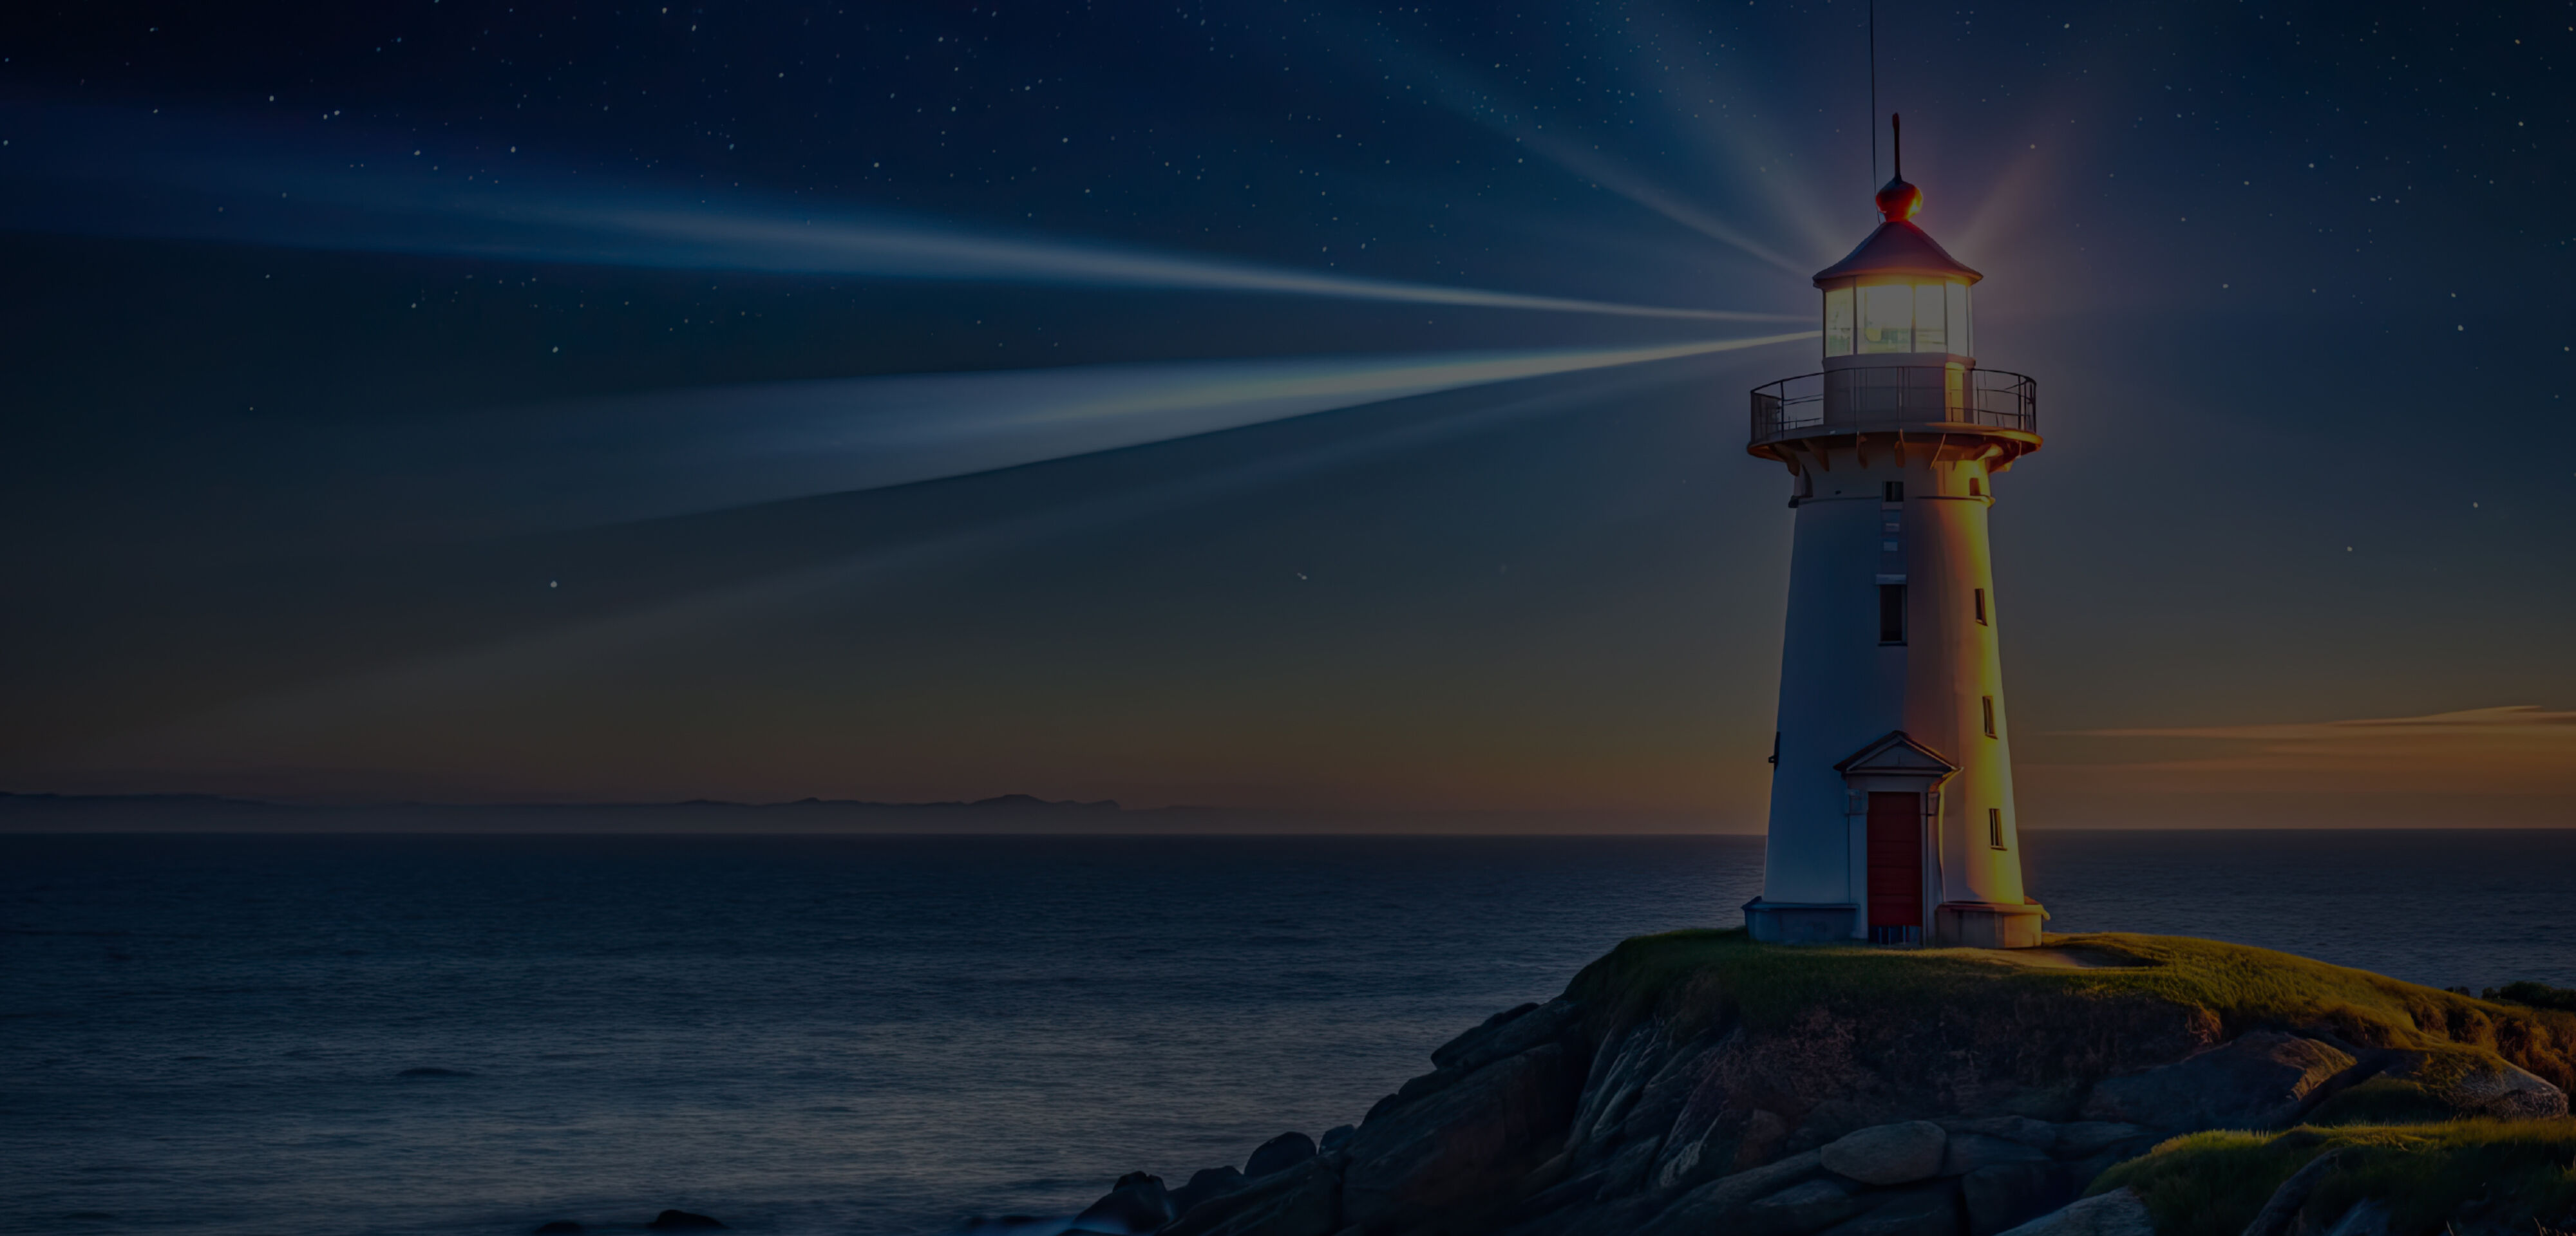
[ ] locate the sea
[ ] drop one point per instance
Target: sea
(283, 1035)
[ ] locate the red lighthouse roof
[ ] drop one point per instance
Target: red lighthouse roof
(1898, 247)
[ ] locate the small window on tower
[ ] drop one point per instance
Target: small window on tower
(1990, 716)
(1995, 827)
(1891, 617)
(1975, 489)
(1896, 491)
(1981, 607)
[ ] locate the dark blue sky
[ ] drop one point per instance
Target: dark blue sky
(1257, 404)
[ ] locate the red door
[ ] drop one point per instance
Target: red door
(1895, 861)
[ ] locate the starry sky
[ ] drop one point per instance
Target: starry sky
(1313, 407)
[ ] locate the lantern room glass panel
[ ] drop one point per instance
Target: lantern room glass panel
(1887, 317)
(1838, 322)
(1962, 341)
(1930, 314)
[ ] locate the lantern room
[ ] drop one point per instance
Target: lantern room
(1899, 299)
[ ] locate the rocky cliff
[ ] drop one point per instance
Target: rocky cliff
(1698, 1083)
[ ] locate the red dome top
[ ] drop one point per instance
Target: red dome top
(1897, 201)
(1898, 247)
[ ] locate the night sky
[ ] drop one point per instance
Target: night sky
(1326, 407)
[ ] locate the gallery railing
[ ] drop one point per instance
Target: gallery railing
(1876, 398)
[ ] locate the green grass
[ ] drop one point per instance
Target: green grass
(2514, 1172)
(1702, 977)
(2382, 1100)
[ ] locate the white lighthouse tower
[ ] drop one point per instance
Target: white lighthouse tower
(1891, 796)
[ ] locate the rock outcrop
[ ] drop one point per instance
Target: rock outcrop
(1699, 1084)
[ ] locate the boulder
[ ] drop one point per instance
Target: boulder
(1928, 1210)
(2034, 1133)
(2280, 1213)
(1450, 1052)
(1206, 1183)
(2504, 1091)
(1739, 1138)
(2116, 1213)
(683, 1221)
(1279, 1154)
(2002, 1196)
(1460, 1148)
(1334, 1138)
(1798, 1209)
(2262, 1080)
(1505, 1034)
(1700, 1210)
(2091, 1137)
(1298, 1201)
(1888, 1154)
(1967, 1152)
(2367, 1217)
(1137, 1203)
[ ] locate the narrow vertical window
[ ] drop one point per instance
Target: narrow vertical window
(1961, 343)
(1989, 702)
(1896, 491)
(1975, 489)
(1891, 616)
(1929, 319)
(1981, 607)
(1995, 827)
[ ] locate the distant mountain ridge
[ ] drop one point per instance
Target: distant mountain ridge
(42, 812)
(10, 799)
(1006, 813)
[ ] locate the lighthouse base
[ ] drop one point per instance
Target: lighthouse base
(1774, 922)
(1955, 924)
(1981, 924)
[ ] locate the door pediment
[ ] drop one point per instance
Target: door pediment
(1896, 755)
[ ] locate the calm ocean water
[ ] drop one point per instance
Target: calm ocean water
(296, 1035)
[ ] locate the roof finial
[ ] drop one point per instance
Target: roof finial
(1898, 200)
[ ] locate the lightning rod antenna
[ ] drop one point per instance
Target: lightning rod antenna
(1896, 141)
(1873, 92)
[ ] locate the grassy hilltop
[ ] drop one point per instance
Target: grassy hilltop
(2406, 1136)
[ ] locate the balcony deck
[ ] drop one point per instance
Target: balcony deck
(1893, 397)
(1921, 402)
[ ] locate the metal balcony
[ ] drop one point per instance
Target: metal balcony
(1884, 398)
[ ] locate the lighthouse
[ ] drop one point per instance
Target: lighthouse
(1891, 788)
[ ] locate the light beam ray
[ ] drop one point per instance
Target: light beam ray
(347, 708)
(1465, 94)
(213, 185)
(640, 457)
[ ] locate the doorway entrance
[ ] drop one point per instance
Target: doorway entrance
(1895, 868)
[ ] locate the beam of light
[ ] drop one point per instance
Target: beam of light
(383, 200)
(1610, 174)
(468, 686)
(1465, 94)
(1740, 139)
(690, 238)
(626, 458)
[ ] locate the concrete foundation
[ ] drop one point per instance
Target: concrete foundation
(1971, 924)
(1781, 923)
